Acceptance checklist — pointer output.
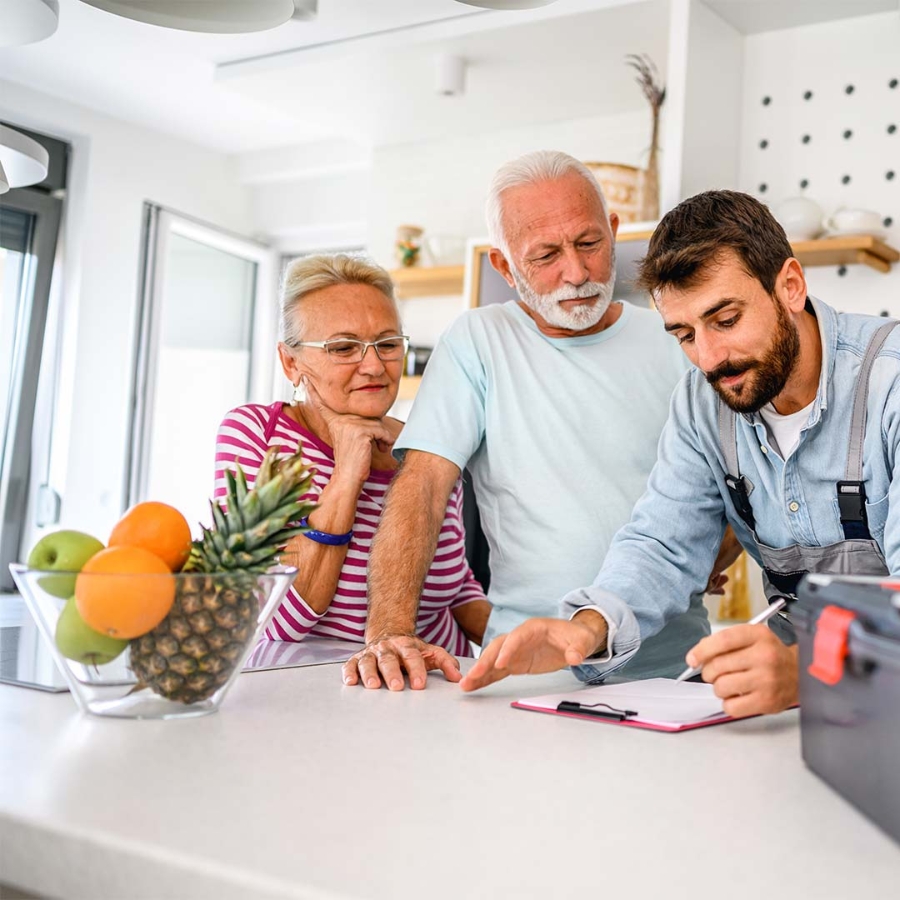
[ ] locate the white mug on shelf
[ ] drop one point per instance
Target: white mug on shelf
(800, 217)
(855, 221)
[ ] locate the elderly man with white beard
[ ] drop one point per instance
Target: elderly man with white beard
(555, 403)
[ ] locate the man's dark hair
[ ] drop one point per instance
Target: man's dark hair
(694, 234)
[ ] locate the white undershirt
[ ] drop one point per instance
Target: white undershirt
(785, 430)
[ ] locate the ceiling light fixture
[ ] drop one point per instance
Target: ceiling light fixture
(507, 4)
(450, 74)
(23, 161)
(27, 21)
(211, 16)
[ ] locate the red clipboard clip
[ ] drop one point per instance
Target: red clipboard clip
(830, 644)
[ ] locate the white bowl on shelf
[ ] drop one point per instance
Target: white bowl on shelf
(801, 218)
(845, 222)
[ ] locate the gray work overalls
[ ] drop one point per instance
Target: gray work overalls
(857, 553)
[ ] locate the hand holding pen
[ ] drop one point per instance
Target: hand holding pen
(750, 669)
(764, 616)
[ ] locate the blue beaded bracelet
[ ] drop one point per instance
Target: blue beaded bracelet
(323, 537)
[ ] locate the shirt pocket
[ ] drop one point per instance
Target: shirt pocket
(876, 516)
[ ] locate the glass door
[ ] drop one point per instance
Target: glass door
(206, 341)
(29, 226)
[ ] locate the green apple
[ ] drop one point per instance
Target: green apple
(62, 551)
(78, 641)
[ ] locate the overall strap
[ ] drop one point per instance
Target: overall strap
(851, 491)
(734, 481)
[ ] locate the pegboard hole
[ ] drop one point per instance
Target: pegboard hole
(889, 175)
(763, 188)
(845, 179)
(849, 89)
(892, 83)
(848, 133)
(891, 128)
(842, 271)
(763, 144)
(766, 100)
(806, 138)
(807, 95)
(887, 221)
(804, 182)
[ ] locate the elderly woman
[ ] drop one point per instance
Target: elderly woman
(343, 350)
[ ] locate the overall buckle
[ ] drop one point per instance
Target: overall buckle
(737, 489)
(852, 504)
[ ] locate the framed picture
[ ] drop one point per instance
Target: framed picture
(485, 285)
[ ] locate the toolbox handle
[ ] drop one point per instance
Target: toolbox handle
(830, 644)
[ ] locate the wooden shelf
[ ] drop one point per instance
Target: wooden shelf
(842, 251)
(428, 281)
(409, 384)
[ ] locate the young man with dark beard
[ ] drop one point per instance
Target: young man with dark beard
(788, 429)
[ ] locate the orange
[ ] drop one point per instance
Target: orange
(156, 527)
(124, 592)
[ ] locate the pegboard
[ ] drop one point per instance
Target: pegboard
(821, 119)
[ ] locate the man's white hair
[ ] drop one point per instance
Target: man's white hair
(540, 165)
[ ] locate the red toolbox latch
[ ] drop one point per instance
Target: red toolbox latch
(830, 644)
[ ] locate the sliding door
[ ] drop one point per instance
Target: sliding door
(29, 225)
(206, 343)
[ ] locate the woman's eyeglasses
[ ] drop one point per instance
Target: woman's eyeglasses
(346, 351)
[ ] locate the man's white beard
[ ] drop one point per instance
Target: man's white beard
(547, 306)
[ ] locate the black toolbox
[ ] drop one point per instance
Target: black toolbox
(848, 631)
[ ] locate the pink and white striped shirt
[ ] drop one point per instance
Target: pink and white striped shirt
(246, 434)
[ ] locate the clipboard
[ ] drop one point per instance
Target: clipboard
(656, 704)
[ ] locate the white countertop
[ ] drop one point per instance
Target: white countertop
(301, 787)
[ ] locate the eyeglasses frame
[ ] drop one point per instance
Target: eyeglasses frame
(323, 345)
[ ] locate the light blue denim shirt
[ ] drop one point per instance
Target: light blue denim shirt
(665, 553)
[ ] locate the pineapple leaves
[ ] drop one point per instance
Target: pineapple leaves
(252, 525)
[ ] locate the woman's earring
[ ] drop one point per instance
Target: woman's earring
(299, 395)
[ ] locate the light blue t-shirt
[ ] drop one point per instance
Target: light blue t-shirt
(560, 435)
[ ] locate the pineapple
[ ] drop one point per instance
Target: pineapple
(194, 650)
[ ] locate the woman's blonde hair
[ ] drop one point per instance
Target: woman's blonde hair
(314, 273)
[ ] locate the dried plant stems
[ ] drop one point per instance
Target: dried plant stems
(655, 92)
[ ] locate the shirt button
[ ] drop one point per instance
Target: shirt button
(763, 448)
(793, 506)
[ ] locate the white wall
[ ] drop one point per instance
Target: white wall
(313, 212)
(703, 124)
(441, 185)
(825, 59)
(115, 167)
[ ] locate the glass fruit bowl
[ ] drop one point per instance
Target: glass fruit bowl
(183, 666)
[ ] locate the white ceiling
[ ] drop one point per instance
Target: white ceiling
(754, 16)
(526, 74)
(364, 68)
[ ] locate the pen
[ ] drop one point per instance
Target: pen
(764, 616)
